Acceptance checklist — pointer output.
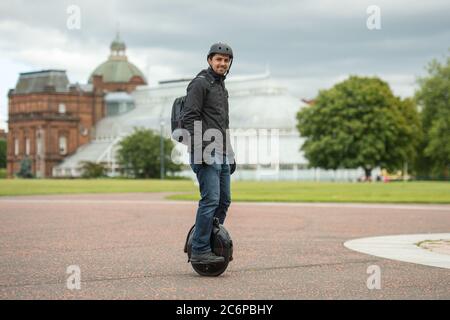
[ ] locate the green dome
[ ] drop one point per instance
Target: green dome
(116, 71)
(118, 45)
(117, 68)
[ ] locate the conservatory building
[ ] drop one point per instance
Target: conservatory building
(262, 129)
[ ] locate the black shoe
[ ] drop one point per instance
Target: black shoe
(206, 258)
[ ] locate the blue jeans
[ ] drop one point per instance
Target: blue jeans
(214, 184)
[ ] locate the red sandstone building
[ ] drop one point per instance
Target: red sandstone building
(3, 134)
(49, 118)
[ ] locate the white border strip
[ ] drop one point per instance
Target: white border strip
(403, 248)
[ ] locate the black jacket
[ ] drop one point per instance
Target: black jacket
(207, 101)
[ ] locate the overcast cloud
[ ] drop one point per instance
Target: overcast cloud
(308, 45)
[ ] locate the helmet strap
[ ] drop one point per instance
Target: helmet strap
(228, 71)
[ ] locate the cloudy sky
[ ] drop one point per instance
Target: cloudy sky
(307, 45)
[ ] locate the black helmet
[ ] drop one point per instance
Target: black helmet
(221, 48)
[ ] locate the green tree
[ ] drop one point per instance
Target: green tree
(92, 169)
(2, 153)
(25, 170)
(140, 153)
(433, 98)
(359, 123)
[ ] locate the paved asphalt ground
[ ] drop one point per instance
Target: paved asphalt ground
(130, 246)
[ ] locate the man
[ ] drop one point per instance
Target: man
(205, 114)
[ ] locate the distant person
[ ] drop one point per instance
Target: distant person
(207, 104)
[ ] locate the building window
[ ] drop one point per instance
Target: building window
(62, 108)
(16, 147)
(27, 146)
(62, 145)
(38, 143)
(83, 130)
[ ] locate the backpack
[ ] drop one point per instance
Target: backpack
(177, 113)
(176, 118)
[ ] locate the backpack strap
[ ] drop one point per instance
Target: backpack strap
(210, 81)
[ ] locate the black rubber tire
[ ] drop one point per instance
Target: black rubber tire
(210, 270)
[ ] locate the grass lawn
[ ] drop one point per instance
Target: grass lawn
(394, 192)
(10, 187)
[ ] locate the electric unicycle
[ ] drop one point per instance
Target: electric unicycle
(221, 245)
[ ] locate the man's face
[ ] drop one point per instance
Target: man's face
(220, 63)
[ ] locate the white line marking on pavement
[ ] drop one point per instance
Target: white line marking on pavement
(403, 248)
(288, 204)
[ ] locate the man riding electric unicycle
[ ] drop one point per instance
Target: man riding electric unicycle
(204, 114)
